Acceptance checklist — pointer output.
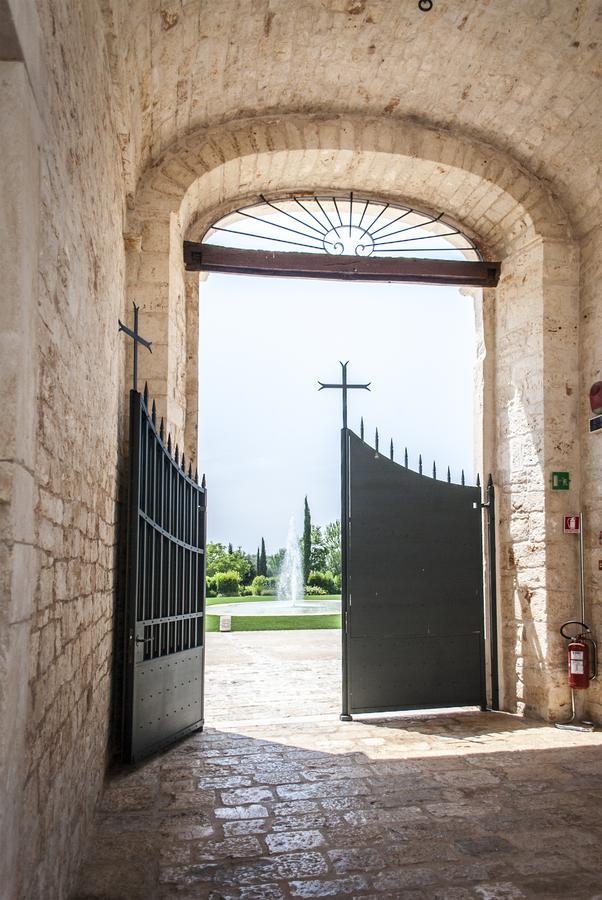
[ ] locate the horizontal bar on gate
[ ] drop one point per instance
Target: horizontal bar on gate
(177, 617)
(213, 258)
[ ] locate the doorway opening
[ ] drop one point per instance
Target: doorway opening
(270, 444)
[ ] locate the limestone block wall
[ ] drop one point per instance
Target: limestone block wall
(62, 213)
(536, 378)
(19, 568)
(590, 328)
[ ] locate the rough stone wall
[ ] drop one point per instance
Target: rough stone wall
(75, 352)
(19, 233)
(488, 70)
(536, 380)
(590, 327)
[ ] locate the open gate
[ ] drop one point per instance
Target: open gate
(413, 609)
(165, 593)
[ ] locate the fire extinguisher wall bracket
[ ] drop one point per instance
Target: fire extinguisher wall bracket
(594, 659)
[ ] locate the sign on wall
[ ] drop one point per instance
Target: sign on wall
(572, 524)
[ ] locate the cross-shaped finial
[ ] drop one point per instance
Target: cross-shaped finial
(137, 340)
(344, 387)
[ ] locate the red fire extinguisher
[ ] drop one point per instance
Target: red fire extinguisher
(581, 669)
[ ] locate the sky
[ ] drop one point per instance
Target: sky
(268, 437)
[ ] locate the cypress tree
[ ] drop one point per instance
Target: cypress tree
(306, 541)
(230, 550)
(263, 562)
(257, 563)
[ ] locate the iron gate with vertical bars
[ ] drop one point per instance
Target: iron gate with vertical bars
(413, 605)
(165, 603)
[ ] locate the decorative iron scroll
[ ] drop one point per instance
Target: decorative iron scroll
(343, 225)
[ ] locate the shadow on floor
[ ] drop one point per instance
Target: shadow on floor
(395, 809)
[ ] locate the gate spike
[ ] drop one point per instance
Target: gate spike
(405, 457)
(161, 429)
(154, 414)
(420, 464)
(183, 463)
(434, 469)
(391, 452)
(362, 428)
(490, 480)
(146, 393)
(463, 482)
(196, 474)
(190, 470)
(169, 444)
(203, 482)
(176, 455)
(448, 476)
(376, 440)
(478, 480)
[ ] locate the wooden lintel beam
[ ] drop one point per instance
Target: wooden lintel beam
(213, 258)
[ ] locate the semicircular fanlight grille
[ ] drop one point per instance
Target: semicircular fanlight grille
(341, 225)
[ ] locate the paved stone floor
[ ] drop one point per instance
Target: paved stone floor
(447, 807)
(272, 675)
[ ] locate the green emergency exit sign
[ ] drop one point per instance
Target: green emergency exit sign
(560, 481)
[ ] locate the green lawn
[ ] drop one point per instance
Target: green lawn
(272, 623)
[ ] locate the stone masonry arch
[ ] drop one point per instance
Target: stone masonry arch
(530, 325)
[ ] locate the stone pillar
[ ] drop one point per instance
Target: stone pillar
(19, 236)
(536, 377)
(591, 494)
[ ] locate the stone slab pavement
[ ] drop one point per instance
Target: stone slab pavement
(272, 675)
(454, 806)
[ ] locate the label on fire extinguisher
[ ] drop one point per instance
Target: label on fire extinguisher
(577, 662)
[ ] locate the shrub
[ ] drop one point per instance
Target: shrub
(262, 585)
(337, 582)
(313, 590)
(211, 586)
(258, 584)
(323, 580)
(245, 591)
(228, 583)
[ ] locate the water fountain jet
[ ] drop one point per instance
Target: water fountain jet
(290, 580)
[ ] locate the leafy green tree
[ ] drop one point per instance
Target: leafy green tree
(275, 561)
(317, 555)
(219, 560)
(331, 541)
(306, 555)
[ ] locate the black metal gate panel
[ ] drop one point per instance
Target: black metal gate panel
(414, 624)
(165, 602)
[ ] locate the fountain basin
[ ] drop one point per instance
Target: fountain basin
(317, 607)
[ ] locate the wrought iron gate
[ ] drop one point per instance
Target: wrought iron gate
(413, 610)
(165, 603)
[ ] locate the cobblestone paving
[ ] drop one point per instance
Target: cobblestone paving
(446, 807)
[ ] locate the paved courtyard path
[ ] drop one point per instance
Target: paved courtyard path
(278, 799)
(272, 675)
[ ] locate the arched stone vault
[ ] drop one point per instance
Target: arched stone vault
(530, 323)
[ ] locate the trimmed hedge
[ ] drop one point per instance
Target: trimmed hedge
(228, 583)
(324, 580)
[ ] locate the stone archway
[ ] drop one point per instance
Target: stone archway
(529, 326)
